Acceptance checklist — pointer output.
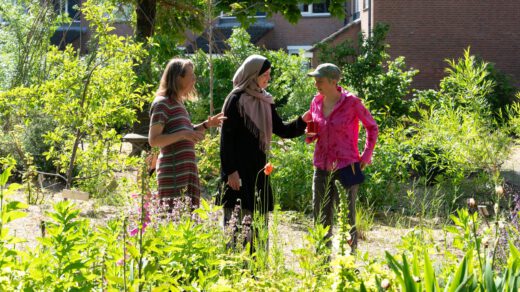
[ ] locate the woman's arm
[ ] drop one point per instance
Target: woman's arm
(372, 131)
(157, 139)
(211, 122)
(292, 129)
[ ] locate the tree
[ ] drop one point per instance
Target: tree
(87, 97)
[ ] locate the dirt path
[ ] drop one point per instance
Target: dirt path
(292, 228)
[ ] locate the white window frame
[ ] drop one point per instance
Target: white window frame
(356, 9)
(310, 11)
(295, 50)
(227, 16)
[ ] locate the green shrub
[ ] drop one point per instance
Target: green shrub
(208, 153)
(382, 83)
(292, 177)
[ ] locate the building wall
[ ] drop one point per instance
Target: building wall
(428, 32)
(308, 31)
(350, 32)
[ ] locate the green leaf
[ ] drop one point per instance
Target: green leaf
(5, 176)
(430, 282)
(12, 215)
(489, 282)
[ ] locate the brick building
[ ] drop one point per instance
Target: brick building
(277, 33)
(429, 32)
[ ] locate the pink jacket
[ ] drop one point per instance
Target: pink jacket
(337, 138)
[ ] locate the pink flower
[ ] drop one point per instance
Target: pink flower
(134, 231)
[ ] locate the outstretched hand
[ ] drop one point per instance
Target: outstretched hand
(216, 120)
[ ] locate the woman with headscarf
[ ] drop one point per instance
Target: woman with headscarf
(246, 137)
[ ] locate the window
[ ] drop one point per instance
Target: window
(296, 50)
(316, 8)
(355, 9)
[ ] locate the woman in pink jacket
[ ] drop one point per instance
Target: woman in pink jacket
(334, 127)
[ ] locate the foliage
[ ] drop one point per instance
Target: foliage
(209, 164)
(85, 97)
(9, 210)
(290, 87)
(384, 84)
(24, 39)
(293, 177)
(287, 8)
(145, 250)
(478, 86)
(514, 113)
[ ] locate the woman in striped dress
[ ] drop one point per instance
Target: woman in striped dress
(172, 131)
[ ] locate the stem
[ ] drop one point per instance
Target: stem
(124, 253)
(141, 223)
(477, 243)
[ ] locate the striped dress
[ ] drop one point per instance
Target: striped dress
(177, 172)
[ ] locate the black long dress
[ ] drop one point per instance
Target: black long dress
(240, 150)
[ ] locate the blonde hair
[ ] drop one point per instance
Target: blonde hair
(170, 85)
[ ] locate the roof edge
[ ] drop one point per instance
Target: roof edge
(334, 34)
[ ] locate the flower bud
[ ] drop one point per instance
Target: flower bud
(385, 284)
(499, 190)
(471, 203)
(485, 242)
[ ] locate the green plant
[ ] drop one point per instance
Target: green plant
(343, 221)
(10, 210)
(293, 177)
(367, 71)
(314, 256)
(364, 220)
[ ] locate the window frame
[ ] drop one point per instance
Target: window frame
(295, 50)
(310, 9)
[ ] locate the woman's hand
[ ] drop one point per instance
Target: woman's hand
(215, 121)
(193, 136)
(233, 181)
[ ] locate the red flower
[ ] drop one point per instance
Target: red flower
(268, 168)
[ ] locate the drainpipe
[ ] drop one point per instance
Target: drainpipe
(369, 18)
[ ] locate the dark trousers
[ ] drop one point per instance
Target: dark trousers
(325, 198)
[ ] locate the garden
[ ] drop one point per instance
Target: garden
(437, 210)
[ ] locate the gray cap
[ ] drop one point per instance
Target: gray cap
(327, 70)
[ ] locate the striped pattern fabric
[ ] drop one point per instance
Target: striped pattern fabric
(177, 172)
